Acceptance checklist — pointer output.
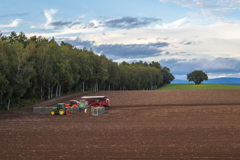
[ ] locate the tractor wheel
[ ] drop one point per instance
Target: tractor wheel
(52, 112)
(61, 112)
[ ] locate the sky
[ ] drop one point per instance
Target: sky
(183, 35)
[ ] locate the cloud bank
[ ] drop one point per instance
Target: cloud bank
(218, 67)
(14, 23)
(129, 22)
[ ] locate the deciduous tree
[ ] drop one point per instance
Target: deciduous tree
(197, 76)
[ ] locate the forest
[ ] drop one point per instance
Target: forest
(37, 68)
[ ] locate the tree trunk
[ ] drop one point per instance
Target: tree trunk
(57, 91)
(17, 75)
(41, 91)
(49, 92)
(96, 86)
(109, 87)
(9, 101)
(59, 94)
(83, 87)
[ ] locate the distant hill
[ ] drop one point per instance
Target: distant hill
(178, 81)
(231, 81)
(227, 81)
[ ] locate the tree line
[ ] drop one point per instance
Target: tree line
(38, 68)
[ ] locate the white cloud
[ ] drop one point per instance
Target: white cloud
(217, 75)
(71, 31)
(218, 40)
(48, 14)
(174, 24)
(14, 23)
(216, 10)
(203, 4)
(235, 4)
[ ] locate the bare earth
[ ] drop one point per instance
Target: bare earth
(183, 124)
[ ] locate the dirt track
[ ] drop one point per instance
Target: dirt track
(187, 124)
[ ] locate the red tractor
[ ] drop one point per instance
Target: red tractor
(73, 103)
(97, 101)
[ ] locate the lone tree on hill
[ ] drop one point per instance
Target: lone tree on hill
(197, 76)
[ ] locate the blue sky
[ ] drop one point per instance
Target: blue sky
(184, 35)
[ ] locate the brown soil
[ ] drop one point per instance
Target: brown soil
(184, 124)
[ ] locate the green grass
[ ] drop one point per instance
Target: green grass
(199, 86)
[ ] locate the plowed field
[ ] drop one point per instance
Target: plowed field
(180, 124)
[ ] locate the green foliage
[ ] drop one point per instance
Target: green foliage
(37, 68)
(200, 86)
(197, 76)
(140, 76)
(167, 76)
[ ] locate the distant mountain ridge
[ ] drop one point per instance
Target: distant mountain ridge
(225, 80)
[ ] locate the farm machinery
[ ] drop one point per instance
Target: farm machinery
(73, 103)
(95, 104)
(61, 109)
(97, 101)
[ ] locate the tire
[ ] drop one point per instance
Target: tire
(61, 112)
(52, 112)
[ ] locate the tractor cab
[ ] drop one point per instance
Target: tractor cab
(61, 109)
(61, 106)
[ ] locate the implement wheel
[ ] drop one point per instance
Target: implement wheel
(52, 112)
(61, 112)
